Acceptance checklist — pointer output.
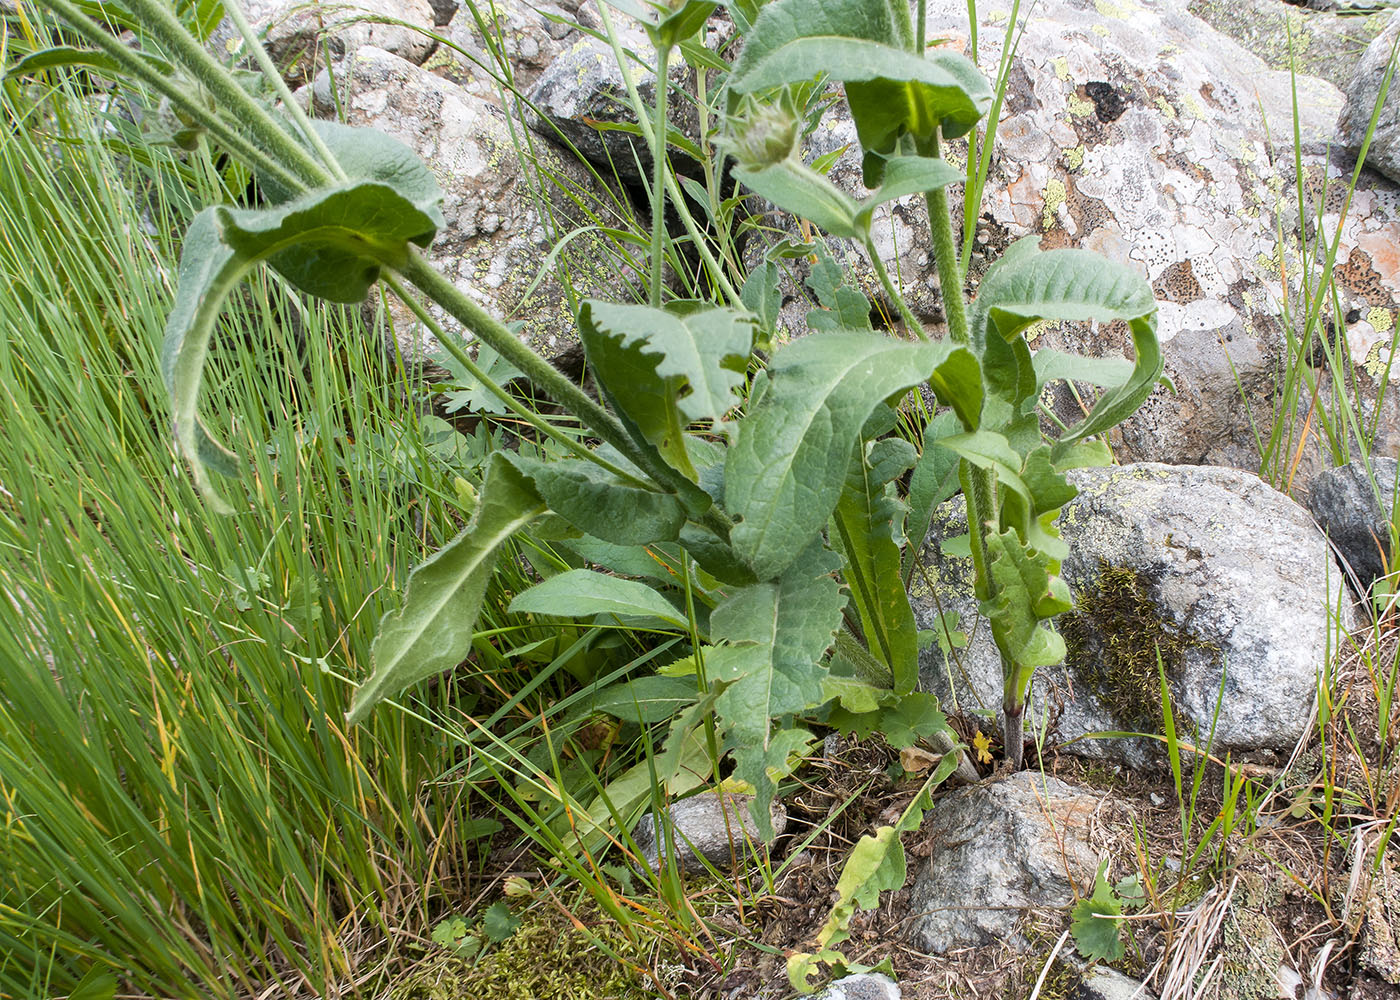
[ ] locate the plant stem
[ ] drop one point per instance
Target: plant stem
(132, 64)
(234, 10)
(881, 272)
(155, 17)
(1012, 713)
(523, 412)
(672, 188)
(945, 255)
(658, 174)
(544, 376)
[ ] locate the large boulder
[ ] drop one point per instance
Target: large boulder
(293, 30)
(504, 218)
(1227, 579)
(1384, 151)
(1353, 505)
(999, 853)
(1136, 130)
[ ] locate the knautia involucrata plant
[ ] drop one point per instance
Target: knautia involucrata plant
(765, 493)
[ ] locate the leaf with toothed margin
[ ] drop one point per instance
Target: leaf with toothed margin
(785, 473)
(776, 634)
(433, 630)
(663, 372)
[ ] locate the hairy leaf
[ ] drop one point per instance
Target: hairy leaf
(784, 475)
(776, 634)
(582, 593)
(1026, 591)
(844, 306)
(433, 630)
(797, 188)
(646, 699)
(596, 501)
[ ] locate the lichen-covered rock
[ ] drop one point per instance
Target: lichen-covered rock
(530, 33)
(1222, 574)
(1136, 130)
(865, 986)
(1103, 983)
(1353, 507)
(720, 831)
(1000, 852)
(1384, 151)
(292, 30)
(583, 91)
(503, 219)
(1316, 41)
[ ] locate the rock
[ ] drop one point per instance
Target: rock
(1101, 983)
(1380, 938)
(1000, 851)
(704, 826)
(293, 29)
(1384, 152)
(1353, 507)
(1134, 129)
(583, 88)
(1315, 41)
(501, 228)
(1219, 571)
(866, 986)
(531, 34)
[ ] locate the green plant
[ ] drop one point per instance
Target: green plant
(759, 488)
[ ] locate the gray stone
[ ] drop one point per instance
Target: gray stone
(1224, 574)
(1353, 507)
(705, 826)
(584, 87)
(1001, 851)
(1136, 130)
(1100, 983)
(1315, 41)
(866, 986)
(292, 31)
(530, 33)
(503, 218)
(1384, 151)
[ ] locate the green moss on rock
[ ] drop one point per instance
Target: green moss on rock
(1113, 638)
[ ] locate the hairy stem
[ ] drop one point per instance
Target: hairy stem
(658, 175)
(133, 65)
(551, 382)
(532, 418)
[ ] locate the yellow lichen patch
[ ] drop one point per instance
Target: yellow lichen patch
(1167, 110)
(1061, 65)
(1054, 195)
(1269, 263)
(1036, 329)
(1074, 158)
(1377, 360)
(1109, 9)
(1100, 29)
(1080, 107)
(1381, 319)
(1192, 106)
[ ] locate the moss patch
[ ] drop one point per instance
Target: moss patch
(1113, 638)
(546, 959)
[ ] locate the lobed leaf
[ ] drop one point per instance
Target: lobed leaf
(433, 630)
(785, 473)
(776, 634)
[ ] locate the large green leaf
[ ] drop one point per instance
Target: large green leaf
(1026, 286)
(433, 630)
(646, 699)
(582, 593)
(330, 242)
(1027, 591)
(596, 501)
(797, 188)
(776, 634)
(663, 372)
(858, 42)
(785, 473)
(870, 524)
